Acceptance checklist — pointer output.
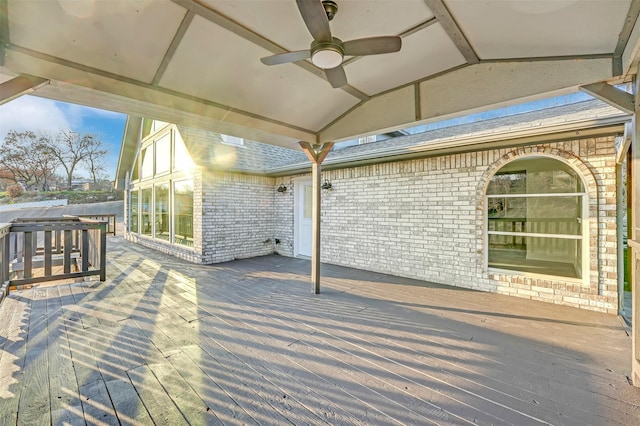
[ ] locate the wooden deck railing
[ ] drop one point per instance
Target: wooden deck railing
(110, 219)
(48, 249)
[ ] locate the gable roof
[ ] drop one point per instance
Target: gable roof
(526, 127)
(209, 150)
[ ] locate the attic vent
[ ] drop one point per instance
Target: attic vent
(366, 139)
(232, 140)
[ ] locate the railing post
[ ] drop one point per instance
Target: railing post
(5, 256)
(84, 253)
(68, 244)
(47, 252)
(103, 253)
(28, 254)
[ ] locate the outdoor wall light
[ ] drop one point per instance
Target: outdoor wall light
(282, 188)
(326, 185)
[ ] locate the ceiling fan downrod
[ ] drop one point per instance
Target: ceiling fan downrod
(330, 8)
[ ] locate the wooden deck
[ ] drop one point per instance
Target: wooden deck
(166, 342)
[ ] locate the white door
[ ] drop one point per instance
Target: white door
(303, 210)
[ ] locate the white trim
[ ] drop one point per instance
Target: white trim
(298, 193)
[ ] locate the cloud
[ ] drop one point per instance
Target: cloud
(49, 116)
(32, 113)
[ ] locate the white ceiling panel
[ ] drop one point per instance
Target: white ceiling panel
(358, 19)
(426, 52)
(535, 28)
(213, 63)
(123, 38)
(276, 20)
(280, 20)
(206, 54)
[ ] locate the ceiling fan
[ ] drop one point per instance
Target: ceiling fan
(327, 52)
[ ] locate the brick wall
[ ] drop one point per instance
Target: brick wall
(237, 216)
(284, 220)
(424, 219)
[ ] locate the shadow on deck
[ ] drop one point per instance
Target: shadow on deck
(167, 342)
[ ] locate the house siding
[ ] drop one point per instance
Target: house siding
(421, 218)
(424, 219)
(238, 216)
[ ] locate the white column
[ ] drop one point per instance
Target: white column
(316, 154)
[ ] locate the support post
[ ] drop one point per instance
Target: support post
(634, 237)
(316, 154)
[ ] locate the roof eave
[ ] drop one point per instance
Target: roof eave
(529, 136)
(128, 149)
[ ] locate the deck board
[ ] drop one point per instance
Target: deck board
(167, 342)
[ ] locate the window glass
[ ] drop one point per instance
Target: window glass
(163, 154)
(533, 175)
(183, 212)
(146, 217)
(181, 159)
(134, 211)
(147, 162)
(534, 212)
(162, 212)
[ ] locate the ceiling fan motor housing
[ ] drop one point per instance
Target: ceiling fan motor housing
(327, 54)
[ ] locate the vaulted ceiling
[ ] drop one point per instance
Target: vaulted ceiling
(197, 63)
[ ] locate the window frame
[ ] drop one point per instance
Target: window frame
(582, 236)
(173, 198)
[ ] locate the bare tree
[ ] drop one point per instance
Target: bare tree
(94, 161)
(25, 157)
(73, 148)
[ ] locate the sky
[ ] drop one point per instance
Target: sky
(40, 114)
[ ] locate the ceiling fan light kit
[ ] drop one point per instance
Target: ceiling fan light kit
(327, 55)
(327, 52)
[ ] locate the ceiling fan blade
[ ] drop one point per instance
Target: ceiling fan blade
(336, 76)
(315, 18)
(372, 46)
(284, 58)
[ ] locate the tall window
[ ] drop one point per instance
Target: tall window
(183, 212)
(163, 154)
(146, 213)
(535, 210)
(134, 209)
(181, 158)
(147, 162)
(162, 212)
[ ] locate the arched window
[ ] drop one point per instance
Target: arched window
(535, 208)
